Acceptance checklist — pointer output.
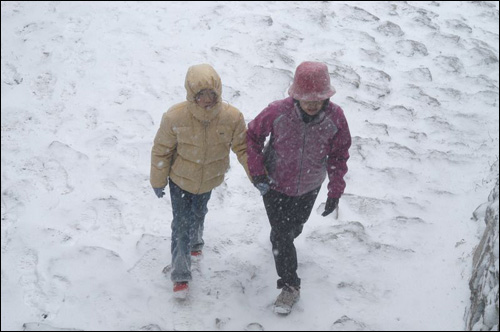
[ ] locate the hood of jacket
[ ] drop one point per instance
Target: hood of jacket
(198, 78)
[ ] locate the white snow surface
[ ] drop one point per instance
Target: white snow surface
(84, 239)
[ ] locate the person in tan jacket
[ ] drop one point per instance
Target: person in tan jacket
(191, 154)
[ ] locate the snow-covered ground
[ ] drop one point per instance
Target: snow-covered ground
(84, 239)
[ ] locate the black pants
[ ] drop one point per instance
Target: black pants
(287, 216)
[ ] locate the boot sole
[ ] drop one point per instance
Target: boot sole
(282, 310)
(181, 295)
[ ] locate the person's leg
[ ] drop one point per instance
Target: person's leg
(199, 211)
(287, 216)
(180, 245)
(300, 211)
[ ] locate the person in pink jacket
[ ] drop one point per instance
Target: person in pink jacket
(309, 139)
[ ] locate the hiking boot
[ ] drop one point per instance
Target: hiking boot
(196, 253)
(285, 301)
(181, 289)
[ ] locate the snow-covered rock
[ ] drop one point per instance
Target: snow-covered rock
(483, 312)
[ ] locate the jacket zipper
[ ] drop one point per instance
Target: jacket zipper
(205, 143)
(302, 157)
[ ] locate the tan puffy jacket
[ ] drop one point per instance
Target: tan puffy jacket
(192, 145)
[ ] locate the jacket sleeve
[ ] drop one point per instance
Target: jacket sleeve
(337, 158)
(164, 148)
(258, 130)
(239, 144)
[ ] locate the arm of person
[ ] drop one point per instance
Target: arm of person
(338, 156)
(239, 144)
(164, 147)
(258, 130)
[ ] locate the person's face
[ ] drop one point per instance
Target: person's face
(206, 98)
(311, 107)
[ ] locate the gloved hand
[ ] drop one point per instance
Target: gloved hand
(159, 192)
(262, 183)
(331, 205)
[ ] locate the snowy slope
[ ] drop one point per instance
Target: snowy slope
(84, 238)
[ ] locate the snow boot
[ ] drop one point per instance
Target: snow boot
(285, 301)
(181, 289)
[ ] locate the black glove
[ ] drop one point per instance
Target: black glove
(331, 205)
(159, 192)
(262, 183)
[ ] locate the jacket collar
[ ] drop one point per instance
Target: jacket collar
(202, 114)
(319, 117)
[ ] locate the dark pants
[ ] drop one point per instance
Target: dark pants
(189, 212)
(287, 216)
